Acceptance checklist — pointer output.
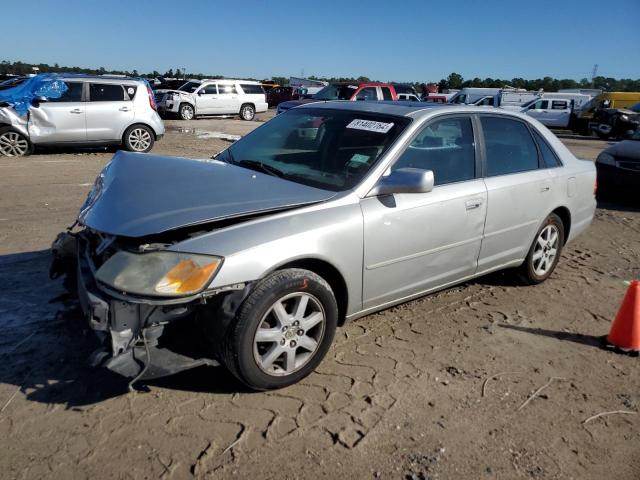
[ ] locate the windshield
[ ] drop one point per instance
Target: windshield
(190, 87)
(327, 149)
(336, 92)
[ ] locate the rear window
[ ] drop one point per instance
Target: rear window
(105, 92)
(549, 157)
(509, 146)
(73, 94)
(558, 105)
(228, 89)
(251, 88)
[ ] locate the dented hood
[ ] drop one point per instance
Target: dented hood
(140, 194)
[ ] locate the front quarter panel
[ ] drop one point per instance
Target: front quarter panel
(331, 232)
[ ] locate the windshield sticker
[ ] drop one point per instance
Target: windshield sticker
(370, 126)
(359, 159)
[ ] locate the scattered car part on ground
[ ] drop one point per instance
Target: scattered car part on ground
(619, 171)
(370, 91)
(213, 97)
(92, 111)
(324, 214)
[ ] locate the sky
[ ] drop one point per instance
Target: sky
(383, 40)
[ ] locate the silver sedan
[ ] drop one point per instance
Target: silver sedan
(326, 213)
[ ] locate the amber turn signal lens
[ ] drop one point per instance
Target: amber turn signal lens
(187, 277)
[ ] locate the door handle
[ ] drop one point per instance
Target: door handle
(75, 110)
(472, 204)
(124, 109)
(545, 189)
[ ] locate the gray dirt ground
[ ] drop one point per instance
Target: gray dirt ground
(400, 394)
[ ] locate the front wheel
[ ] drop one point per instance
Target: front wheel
(282, 331)
(247, 112)
(14, 143)
(545, 252)
(187, 112)
(138, 138)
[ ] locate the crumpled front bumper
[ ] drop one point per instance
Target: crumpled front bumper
(136, 333)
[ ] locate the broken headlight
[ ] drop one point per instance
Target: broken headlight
(165, 274)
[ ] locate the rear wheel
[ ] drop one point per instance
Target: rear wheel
(14, 143)
(282, 331)
(247, 112)
(544, 254)
(138, 138)
(187, 111)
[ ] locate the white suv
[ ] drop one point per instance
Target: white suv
(213, 97)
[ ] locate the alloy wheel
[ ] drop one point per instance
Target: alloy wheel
(247, 113)
(545, 250)
(187, 112)
(139, 139)
(289, 334)
(13, 144)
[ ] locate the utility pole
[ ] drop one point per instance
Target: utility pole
(594, 72)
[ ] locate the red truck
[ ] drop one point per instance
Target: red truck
(347, 91)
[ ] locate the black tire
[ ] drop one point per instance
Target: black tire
(187, 112)
(530, 271)
(247, 112)
(13, 143)
(138, 138)
(238, 351)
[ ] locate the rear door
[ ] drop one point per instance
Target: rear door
(228, 98)
(559, 113)
(60, 119)
(109, 111)
(520, 191)
(414, 242)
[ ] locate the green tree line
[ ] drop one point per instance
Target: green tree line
(453, 81)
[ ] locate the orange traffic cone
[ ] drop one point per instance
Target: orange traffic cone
(625, 330)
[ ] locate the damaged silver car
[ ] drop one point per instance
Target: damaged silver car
(92, 111)
(324, 214)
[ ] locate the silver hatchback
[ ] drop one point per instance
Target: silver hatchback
(92, 111)
(324, 214)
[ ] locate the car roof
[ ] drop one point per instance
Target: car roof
(408, 109)
(102, 78)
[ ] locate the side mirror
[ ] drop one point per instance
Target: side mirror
(404, 180)
(38, 100)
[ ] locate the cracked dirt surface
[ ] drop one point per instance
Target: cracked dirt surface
(400, 394)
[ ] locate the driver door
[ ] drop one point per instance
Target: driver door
(207, 100)
(414, 242)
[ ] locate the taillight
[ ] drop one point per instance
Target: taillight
(152, 100)
(595, 186)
